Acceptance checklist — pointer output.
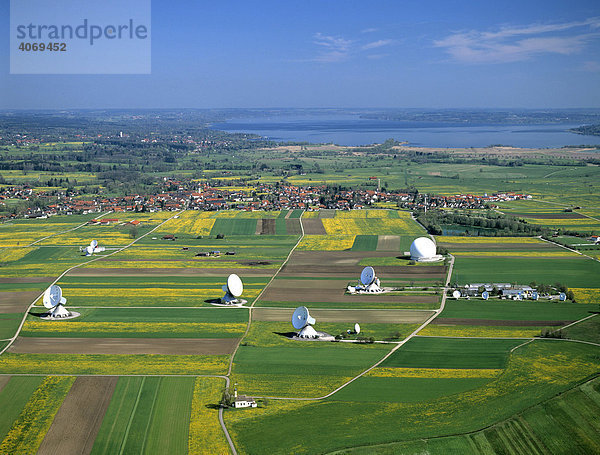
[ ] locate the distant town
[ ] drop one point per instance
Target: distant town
(177, 194)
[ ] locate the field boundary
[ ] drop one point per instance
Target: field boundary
(12, 340)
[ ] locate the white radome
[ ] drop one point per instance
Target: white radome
(423, 249)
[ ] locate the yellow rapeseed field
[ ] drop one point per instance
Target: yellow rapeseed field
(479, 331)
(326, 242)
(191, 222)
(28, 431)
(112, 364)
(133, 327)
(437, 373)
(14, 254)
(205, 435)
(150, 292)
(586, 295)
(459, 239)
(373, 226)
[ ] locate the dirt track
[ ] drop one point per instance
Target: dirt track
(313, 226)
(15, 302)
(361, 316)
(168, 346)
(497, 322)
(78, 420)
(170, 272)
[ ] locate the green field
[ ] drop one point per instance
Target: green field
(405, 390)
(426, 352)
(564, 424)
(13, 397)
(9, 323)
(575, 272)
(147, 415)
(365, 243)
(535, 373)
(507, 310)
(236, 226)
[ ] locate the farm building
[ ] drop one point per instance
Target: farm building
(243, 401)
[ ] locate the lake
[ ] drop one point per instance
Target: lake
(352, 130)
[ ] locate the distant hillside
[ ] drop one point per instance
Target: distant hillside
(588, 130)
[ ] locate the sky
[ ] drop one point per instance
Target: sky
(341, 53)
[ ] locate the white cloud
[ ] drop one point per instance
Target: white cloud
(334, 49)
(376, 44)
(513, 44)
(369, 30)
(337, 49)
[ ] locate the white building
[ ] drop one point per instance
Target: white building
(244, 402)
(424, 250)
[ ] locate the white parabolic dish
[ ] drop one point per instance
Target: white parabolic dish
(52, 296)
(456, 294)
(367, 276)
(357, 328)
(234, 285)
(94, 244)
(301, 318)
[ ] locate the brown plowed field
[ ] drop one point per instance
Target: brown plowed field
(331, 291)
(168, 346)
(77, 422)
(313, 226)
(28, 279)
(136, 271)
(361, 316)
(268, 226)
(292, 226)
(497, 322)
(15, 302)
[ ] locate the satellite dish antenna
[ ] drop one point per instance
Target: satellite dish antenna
(233, 290)
(357, 328)
(301, 318)
(94, 244)
(535, 295)
(456, 294)
(485, 295)
(93, 248)
(367, 276)
(562, 297)
(53, 300)
(303, 322)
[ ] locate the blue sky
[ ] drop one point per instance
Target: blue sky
(344, 53)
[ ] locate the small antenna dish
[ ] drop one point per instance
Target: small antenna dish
(535, 295)
(357, 328)
(301, 318)
(562, 297)
(367, 276)
(93, 248)
(233, 290)
(456, 294)
(485, 295)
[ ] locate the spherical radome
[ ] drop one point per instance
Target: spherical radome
(422, 247)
